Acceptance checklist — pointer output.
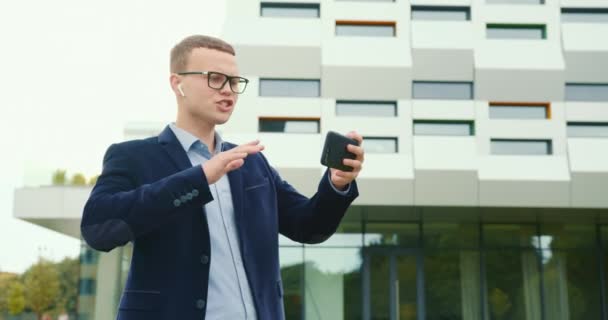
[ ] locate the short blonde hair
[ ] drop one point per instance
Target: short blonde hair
(182, 50)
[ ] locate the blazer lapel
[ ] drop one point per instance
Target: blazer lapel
(174, 149)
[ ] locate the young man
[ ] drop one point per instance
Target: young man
(204, 215)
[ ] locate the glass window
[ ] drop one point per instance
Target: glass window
(291, 10)
(513, 31)
(571, 284)
(452, 284)
(292, 275)
(365, 29)
(86, 287)
(450, 235)
(567, 236)
(442, 90)
(512, 284)
(348, 234)
(515, 1)
(441, 13)
(380, 145)
(290, 88)
(506, 111)
(592, 15)
(333, 283)
(588, 129)
(509, 235)
(289, 125)
(392, 234)
(586, 91)
(366, 108)
(521, 147)
(443, 128)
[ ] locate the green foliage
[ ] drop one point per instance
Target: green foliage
(93, 180)
(6, 280)
(78, 179)
(16, 298)
(59, 177)
(68, 270)
(41, 286)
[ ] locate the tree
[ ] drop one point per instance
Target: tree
(6, 280)
(68, 271)
(59, 177)
(16, 298)
(93, 180)
(41, 286)
(78, 179)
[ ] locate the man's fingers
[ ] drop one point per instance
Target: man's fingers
(356, 136)
(234, 164)
(358, 151)
(356, 164)
(250, 148)
(231, 156)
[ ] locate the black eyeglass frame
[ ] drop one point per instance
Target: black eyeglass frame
(209, 74)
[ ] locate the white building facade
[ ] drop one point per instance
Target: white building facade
(484, 193)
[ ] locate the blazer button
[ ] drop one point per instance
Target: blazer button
(195, 193)
(204, 259)
(177, 203)
(200, 304)
(189, 196)
(184, 199)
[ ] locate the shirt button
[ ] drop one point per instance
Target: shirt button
(200, 304)
(204, 259)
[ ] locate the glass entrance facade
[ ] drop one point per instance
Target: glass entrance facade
(440, 269)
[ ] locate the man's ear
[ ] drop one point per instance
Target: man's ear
(175, 81)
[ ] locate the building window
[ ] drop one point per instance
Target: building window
(515, 1)
(446, 13)
(500, 110)
(586, 92)
(366, 108)
(521, 147)
(290, 88)
(366, 28)
(86, 287)
(380, 144)
(442, 90)
(290, 125)
(592, 15)
(588, 129)
(443, 128)
(291, 10)
(516, 31)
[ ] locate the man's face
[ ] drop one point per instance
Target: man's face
(201, 102)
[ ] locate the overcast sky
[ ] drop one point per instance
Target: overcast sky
(73, 73)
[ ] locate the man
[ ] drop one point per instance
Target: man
(204, 215)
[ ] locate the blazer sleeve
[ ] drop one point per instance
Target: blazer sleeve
(119, 209)
(310, 220)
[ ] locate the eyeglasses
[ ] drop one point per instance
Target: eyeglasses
(217, 80)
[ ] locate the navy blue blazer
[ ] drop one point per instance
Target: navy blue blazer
(150, 194)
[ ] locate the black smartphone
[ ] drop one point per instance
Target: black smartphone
(334, 151)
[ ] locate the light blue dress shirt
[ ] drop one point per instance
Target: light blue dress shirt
(229, 295)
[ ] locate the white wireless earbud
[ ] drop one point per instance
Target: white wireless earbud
(179, 87)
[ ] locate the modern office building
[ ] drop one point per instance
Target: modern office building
(484, 193)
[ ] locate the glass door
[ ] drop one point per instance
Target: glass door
(393, 284)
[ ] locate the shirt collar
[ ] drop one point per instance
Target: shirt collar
(187, 139)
